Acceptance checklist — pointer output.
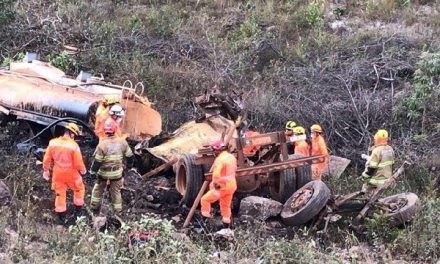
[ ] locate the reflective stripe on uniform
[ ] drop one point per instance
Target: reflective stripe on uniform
(377, 181)
(117, 206)
(225, 178)
(110, 174)
(374, 164)
(63, 145)
(113, 157)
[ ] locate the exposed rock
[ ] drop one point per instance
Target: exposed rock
(176, 218)
(5, 259)
(12, 237)
(259, 207)
(5, 194)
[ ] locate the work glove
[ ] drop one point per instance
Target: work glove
(46, 175)
(217, 186)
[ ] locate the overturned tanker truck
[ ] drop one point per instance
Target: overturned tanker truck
(44, 98)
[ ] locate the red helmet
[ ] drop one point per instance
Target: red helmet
(110, 126)
(217, 145)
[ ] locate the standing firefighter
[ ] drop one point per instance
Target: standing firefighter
(379, 167)
(102, 114)
(288, 132)
(223, 185)
(68, 166)
(301, 146)
(318, 148)
(108, 166)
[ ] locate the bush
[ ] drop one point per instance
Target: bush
(422, 100)
(64, 62)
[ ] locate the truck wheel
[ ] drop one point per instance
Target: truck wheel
(305, 203)
(282, 184)
(303, 176)
(402, 207)
(189, 178)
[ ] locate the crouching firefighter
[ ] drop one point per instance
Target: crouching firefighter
(223, 185)
(68, 166)
(108, 165)
(379, 166)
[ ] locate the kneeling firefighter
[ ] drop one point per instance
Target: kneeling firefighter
(108, 166)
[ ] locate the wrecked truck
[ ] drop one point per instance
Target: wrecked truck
(44, 98)
(270, 167)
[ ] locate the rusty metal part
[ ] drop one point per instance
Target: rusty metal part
(216, 103)
(300, 198)
(393, 205)
(375, 196)
(267, 168)
(345, 198)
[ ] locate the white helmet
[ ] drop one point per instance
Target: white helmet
(117, 110)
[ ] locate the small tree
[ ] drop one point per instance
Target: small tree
(425, 91)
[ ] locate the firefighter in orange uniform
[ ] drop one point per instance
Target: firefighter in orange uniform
(251, 150)
(318, 148)
(103, 113)
(223, 185)
(301, 146)
(68, 166)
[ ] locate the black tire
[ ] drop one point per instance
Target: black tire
(319, 198)
(403, 213)
(303, 176)
(283, 185)
(189, 178)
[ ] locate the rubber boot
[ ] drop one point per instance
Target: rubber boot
(61, 218)
(77, 212)
(96, 210)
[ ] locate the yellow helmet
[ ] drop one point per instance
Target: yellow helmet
(110, 99)
(316, 128)
(381, 134)
(299, 130)
(290, 125)
(73, 127)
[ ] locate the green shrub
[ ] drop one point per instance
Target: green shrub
(248, 32)
(7, 12)
(313, 15)
(424, 93)
(64, 62)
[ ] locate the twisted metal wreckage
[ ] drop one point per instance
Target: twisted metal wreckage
(44, 98)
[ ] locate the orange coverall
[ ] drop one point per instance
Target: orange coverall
(223, 175)
(67, 162)
(302, 148)
(319, 148)
(102, 114)
(250, 150)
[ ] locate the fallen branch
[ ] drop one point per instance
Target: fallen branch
(160, 168)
